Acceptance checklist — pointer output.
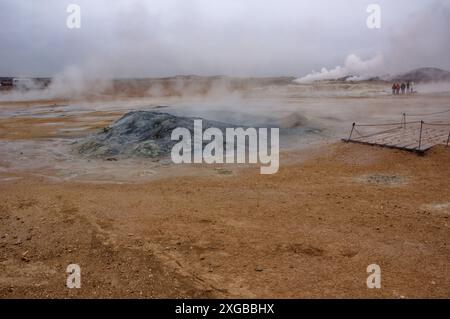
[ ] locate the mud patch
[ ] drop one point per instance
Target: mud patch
(221, 171)
(383, 180)
(441, 208)
(304, 249)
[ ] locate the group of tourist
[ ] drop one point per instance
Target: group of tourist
(403, 88)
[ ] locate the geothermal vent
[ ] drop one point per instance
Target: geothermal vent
(140, 134)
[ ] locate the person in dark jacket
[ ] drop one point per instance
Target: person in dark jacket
(403, 87)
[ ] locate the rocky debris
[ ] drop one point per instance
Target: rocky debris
(140, 134)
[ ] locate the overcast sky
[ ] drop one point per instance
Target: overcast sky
(138, 38)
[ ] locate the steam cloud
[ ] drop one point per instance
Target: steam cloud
(355, 69)
(156, 38)
(422, 41)
(71, 83)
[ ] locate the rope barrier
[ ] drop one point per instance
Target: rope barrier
(377, 133)
(404, 115)
(428, 114)
(386, 124)
(360, 134)
(439, 124)
(401, 125)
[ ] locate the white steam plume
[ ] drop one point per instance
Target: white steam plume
(71, 83)
(355, 67)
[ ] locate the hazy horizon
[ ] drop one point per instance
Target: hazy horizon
(154, 39)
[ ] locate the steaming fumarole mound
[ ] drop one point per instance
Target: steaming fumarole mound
(140, 133)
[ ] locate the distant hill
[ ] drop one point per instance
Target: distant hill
(423, 75)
